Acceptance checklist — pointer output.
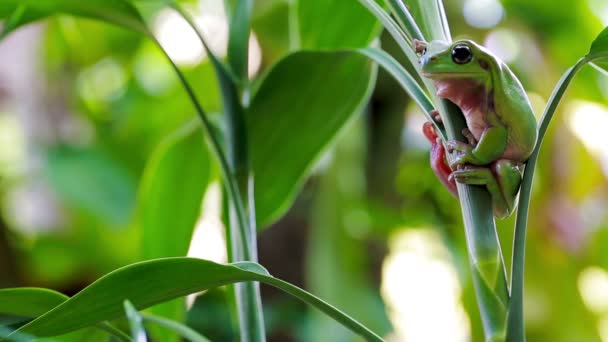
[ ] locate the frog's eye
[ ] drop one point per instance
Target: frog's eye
(461, 54)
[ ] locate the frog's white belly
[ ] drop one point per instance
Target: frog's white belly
(475, 121)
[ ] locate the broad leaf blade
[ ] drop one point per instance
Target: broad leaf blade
(299, 109)
(155, 281)
(322, 24)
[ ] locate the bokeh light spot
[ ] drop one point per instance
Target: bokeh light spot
(593, 286)
(421, 290)
(483, 13)
(504, 44)
(588, 121)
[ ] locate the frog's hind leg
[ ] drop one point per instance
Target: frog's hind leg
(502, 179)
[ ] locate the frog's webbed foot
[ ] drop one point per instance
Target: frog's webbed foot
(461, 153)
(502, 179)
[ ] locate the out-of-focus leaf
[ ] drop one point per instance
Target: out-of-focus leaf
(238, 43)
(151, 282)
(119, 12)
(323, 24)
(138, 333)
(170, 198)
(299, 109)
(600, 47)
(89, 180)
(431, 18)
(171, 192)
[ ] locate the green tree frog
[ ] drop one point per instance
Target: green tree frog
(501, 126)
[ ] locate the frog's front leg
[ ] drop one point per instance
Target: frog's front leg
(490, 147)
(502, 179)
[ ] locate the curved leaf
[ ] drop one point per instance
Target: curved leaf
(29, 301)
(119, 12)
(305, 100)
(598, 56)
(155, 281)
(407, 82)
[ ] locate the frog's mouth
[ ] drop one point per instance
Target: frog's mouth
(443, 75)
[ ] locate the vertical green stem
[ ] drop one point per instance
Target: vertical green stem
(237, 167)
(485, 255)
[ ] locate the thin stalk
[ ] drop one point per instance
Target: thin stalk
(115, 332)
(515, 319)
(184, 331)
(484, 251)
(320, 304)
(239, 181)
(485, 255)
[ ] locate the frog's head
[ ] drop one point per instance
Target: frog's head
(461, 59)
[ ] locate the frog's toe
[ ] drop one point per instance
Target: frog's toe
(468, 177)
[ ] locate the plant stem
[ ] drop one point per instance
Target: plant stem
(485, 255)
(515, 323)
(237, 176)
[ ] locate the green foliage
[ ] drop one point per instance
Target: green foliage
(119, 12)
(155, 281)
(171, 192)
(89, 180)
(317, 76)
(285, 147)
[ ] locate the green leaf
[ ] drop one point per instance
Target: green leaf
(119, 12)
(599, 51)
(598, 55)
(29, 301)
(515, 313)
(91, 181)
(430, 16)
(394, 30)
(300, 107)
(155, 281)
(405, 19)
(238, 42)
(322, 24)
(600, 44)
(138, 333)
(171, 191)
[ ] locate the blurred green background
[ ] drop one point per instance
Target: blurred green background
(84, 105)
